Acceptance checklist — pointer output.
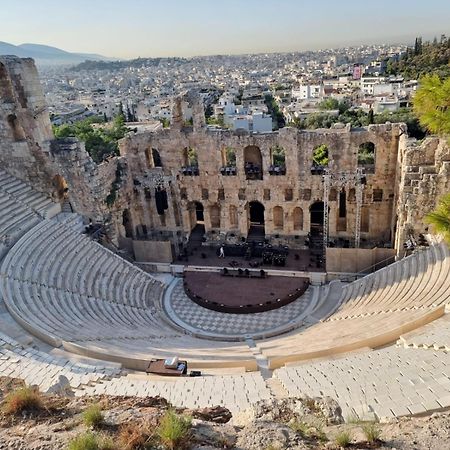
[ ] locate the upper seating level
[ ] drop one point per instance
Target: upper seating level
(21, 208)
(375, 310)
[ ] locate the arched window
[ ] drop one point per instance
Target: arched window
(156, 158)
(297, 216)
(320, 159)
(190, 162)
(278, 161)
(366, 157)
(253, 163)
(228, 161)
(278, 221)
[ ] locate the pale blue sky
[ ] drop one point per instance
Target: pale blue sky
(134, 28)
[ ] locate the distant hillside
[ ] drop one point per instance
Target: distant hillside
(422, 59)
(117, 65)
(47, 55)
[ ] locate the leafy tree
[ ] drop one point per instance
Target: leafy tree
(439, 219)
(320, 155)
(432, 104)
(100, 142)
(278, 156)
(230, 155)
(329, 103)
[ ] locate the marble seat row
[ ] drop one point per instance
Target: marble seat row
(414, 282)
(374, 311)
(54, 255)
(236, 392)
(435, 335)
(376, 384)
(69, 291)
(43, 369)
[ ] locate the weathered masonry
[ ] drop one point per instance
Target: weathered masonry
(167, 182)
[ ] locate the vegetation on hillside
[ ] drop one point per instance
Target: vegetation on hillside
(359, 118)
(118, 65)
(422, 59)
(100, 141)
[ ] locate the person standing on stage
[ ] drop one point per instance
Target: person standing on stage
(221, 252)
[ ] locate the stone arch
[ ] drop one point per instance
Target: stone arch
(156, 158)
(196, 214)
(316, 211)
(297, 218)
(253, 163)
(278, 219)
(320, 159)
(366, 156)
(214, 215)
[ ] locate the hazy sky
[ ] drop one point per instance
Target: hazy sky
(131, 28)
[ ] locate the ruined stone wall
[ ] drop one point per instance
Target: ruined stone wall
(280, 194)
(25, 129)
(424, 178)
(29, 151)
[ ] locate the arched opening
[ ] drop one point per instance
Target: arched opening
(196, 214)
(199, 212)
(256, 231)
(214, 216)
(366, 157)
(233, 216)
(253, 163)
(156, 158)
(127, 223)
(190, 162)
(316, 213)
(277, 161)
(278, 221)
(297, 216)
(228, 161)
(256, 212)
(320, 159)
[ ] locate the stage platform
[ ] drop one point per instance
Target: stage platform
(242, 295)
(206, 256)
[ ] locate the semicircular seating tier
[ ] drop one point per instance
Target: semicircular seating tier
(69, 290)
(375, 310)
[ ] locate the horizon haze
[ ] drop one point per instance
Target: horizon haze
(149, 29)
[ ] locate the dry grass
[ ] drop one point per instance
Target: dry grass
(134, 436)
(91, 441)
(344, 438)
(21, 400)
(371, 432)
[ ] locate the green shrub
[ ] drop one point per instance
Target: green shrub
(344, 438)
(22, 399)
(371, 431)
(174, 430)
(93, 416)
(91, 441)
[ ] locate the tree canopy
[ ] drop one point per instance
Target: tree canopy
(432, 104)
(100, 141)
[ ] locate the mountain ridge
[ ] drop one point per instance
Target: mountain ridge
(48, 55)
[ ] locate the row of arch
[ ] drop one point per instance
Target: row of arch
(256, 215)
(253, 161)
